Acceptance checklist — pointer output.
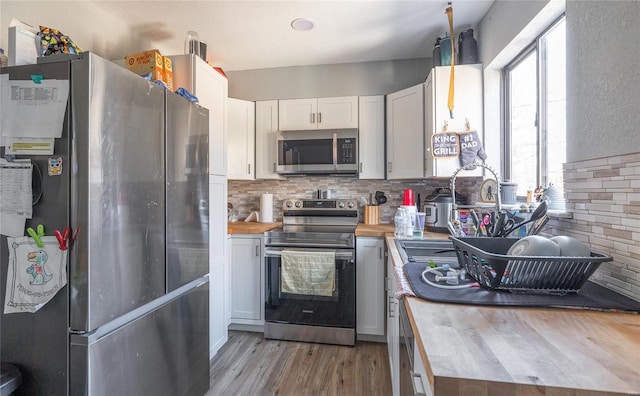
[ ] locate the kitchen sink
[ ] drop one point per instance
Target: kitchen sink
(439, 251)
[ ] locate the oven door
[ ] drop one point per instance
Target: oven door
(337, 310)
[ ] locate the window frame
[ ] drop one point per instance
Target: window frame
(539, 47)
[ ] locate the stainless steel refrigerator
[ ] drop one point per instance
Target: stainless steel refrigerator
(133, 318)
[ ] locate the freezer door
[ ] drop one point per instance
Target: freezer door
(117, 192)
(187, 143)
(162, 352)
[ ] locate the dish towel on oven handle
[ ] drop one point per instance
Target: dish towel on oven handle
(308, 273)
(35, 274)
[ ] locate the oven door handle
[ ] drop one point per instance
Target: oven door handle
(278, 253)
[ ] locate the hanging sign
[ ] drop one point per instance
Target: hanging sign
(445, 144)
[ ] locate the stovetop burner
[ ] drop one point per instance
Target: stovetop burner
(316, 222)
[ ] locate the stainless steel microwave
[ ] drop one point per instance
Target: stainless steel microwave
(329, 151)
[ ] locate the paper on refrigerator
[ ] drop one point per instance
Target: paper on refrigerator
(15, 187)
(12, 225)
(37, 109)
(29, 146)
(35, 274)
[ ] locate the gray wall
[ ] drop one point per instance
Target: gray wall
(347, 79)
(603, 87)
(603, 80)
(495, 37)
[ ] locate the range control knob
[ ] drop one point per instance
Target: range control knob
(298, 204)
(351, 204)
(288, 204)
(341, 204)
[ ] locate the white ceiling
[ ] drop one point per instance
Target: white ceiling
(243, 35)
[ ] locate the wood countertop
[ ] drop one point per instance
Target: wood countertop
(474, 350)
(251, 227)
(382, 230)
(374, 230)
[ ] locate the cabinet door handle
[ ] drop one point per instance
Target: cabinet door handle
(249, 169)
(319, 118)
(360, 168)
(416, 382)
(257, 250)
(390, 166)
(392, 313)
(313, 118)
(380, 249)
(274, 167)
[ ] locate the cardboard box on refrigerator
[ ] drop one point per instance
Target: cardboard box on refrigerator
(167, 72)
(146, 62)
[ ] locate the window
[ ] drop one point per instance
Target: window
(535, 116)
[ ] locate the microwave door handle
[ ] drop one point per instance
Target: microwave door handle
(335, 151)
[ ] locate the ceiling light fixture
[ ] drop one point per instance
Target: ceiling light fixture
(302, 24)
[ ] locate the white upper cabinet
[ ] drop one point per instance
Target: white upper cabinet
(211, 88)
(297, 114)
(266, 149)
(241, 138)
(405, 134)
(371, 137)
(467, 104)
(322, 113)
(334, 113)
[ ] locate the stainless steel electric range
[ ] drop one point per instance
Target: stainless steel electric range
(311, 272)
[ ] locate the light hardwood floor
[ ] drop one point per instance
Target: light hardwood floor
(250, 365)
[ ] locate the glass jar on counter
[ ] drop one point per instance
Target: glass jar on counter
(400, 221)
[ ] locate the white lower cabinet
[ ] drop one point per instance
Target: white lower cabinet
(420, 379)
(218, 263)
(370, 286)
(393, 328)
(227, 286)
(247, 280)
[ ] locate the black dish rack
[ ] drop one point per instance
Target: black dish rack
(486, 261)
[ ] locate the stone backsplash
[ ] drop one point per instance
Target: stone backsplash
(603, 196)
(245, 195)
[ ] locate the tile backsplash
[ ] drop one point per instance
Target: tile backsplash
(245, 195)
(603, 196)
